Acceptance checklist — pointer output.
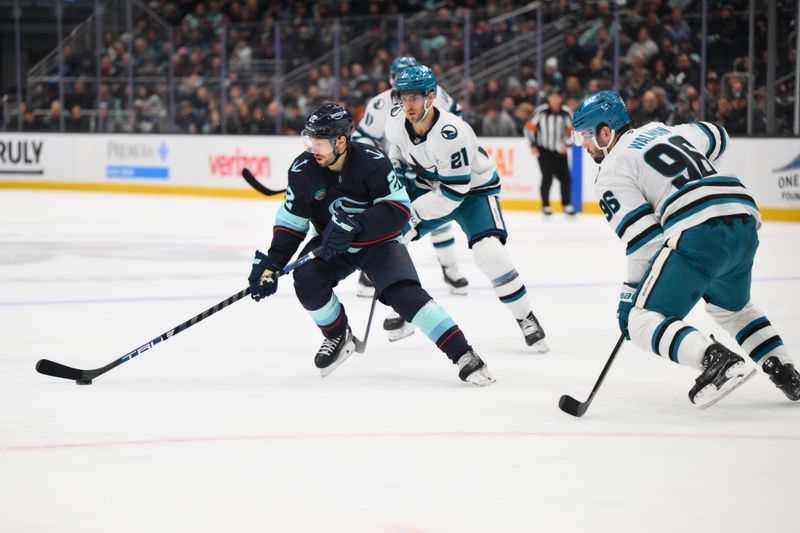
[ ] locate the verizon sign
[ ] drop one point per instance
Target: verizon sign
(229, 166)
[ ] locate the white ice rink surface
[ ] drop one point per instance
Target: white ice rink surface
(228, 426)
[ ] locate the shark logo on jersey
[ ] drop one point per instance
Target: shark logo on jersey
(375, 153)
(395, 111)
(297, 164)
(449, 132)
(379, 103)
(320, 194)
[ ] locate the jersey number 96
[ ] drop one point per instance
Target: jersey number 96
(609, 205)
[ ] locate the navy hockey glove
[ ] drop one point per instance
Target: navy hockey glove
(262, 284)
(339, 234)
(625, 305)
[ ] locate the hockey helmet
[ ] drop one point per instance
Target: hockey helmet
(604, 107)
(400, 63)
(417, 78)
(329, 121)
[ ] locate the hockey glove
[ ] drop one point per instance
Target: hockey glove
(339, 234)
(410, 232)
(262, 284)
(626, 295)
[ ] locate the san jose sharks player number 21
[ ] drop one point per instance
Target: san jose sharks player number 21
(350, 195)
(451, 178)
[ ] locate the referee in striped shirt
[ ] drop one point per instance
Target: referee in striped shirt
(549, 131)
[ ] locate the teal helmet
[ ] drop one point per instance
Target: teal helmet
(417, 78)
(604, 107)
(402, 62)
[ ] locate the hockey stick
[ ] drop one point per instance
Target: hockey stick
(85, 377)
(254, 183)
(362, 345)
(570, 405)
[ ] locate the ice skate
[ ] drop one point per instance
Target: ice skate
(723, 371)
(784, 376)
(569, 211)
(547, 211)
(533, 332)
(472, 369)
(396, 327)
(454, 280)
(365, 287)
(334, 352)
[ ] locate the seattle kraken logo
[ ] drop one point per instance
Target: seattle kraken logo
(347, 205)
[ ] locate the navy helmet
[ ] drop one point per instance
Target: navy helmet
(604, 107)
(329, 121)
(400, 63)
(417, 78)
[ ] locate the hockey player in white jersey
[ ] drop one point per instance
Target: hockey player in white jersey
(370, 130)
(454, 179)
(691, 233)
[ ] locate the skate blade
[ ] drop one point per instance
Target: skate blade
(365, 292)
(395, 335)
(348, 350)
(709, 395)
(540, 346)
(458, 291)
(481, 377)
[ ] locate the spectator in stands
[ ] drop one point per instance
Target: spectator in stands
(496, 122)
(637, 114)
(186, 119)
(104, 122)
(713, 93)
(77, 122)
(686, 74)
(784, 109)
(723, 113)
(603, 46)
(326, 81)
(651, 109)
(572, 89)
(684, 111)
(677, 29)
(575, 58)
(53, 122)
(521, 115)
(551, 77)
(644, 45)
(294, 122)
(637, 77)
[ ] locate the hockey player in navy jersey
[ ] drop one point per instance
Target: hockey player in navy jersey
(350, 195)
(691, 233)
(371, 131)
(454, 179)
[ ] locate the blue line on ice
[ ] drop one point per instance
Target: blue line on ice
(434, 291)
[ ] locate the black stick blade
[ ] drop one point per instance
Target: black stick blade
(254, 183)
(57, 370)
(571, 406)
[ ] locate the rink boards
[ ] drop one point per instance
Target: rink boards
(212, 165)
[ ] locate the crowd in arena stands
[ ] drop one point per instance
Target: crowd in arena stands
(659, 64)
